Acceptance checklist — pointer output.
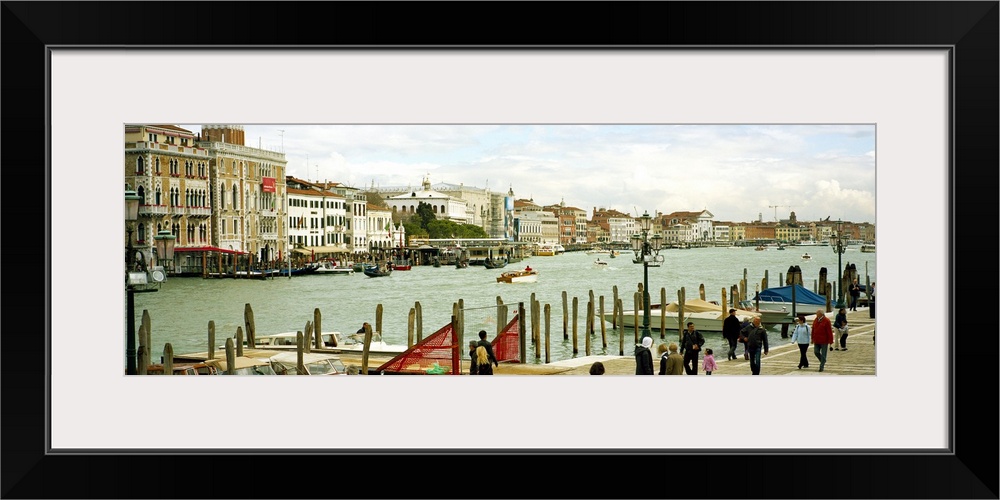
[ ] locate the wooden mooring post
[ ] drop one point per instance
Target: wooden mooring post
(663, 312)
(565, 311)
(239, 341)
(410, 318)
(575, 350)
(604, 325)
(548, 317)
(621, 327)
(521, 332)
(317, 329)
(230, 357)
(590, 327)
(211, 339)
(419, 320)
(251, 328)
(637, 300)
(168, 359)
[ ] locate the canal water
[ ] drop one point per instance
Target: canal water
(180, 311)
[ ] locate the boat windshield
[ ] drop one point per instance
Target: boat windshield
(324, 367)
(255, 370)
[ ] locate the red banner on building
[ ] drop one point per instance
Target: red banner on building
(268, 185)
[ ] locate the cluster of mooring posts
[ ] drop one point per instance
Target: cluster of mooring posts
(310, 338)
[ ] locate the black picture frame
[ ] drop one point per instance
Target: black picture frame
(969, 28)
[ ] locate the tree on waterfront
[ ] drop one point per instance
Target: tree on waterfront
(451, 229)
(425, 214)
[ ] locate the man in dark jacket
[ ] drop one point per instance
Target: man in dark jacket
(731, 332)
(644, 357)
(756, 339)
(489, 347)
(690, 347)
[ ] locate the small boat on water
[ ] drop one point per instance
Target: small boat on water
(806, 256)
(354, 342)
(494, 263)
(868, 248)
(546, 251)
(779, 300)
(601, 264)
(297, 271)
(526, 275)
(328, 267)
(760, 248)
(377, 271)
(400, 265)
(461, 264)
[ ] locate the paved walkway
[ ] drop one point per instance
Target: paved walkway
(783, 357)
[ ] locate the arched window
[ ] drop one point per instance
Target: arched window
(139, 166)
(142, 195)
(442, 209)
(236, 194)
(140, 233)
(435, 209)
(158, 196)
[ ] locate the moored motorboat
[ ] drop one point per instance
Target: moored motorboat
(780, 301)
(345, 343)
(706, 316)
(601, 264)
(328, 267)
(868, 248)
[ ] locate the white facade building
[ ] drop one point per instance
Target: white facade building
(445, 207)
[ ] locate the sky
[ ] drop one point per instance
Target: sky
(739, 173)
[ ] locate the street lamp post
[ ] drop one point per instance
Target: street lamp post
(839, 248)
(135, 279)
(647, 249)
(131, 215)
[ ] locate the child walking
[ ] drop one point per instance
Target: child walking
(709, 363)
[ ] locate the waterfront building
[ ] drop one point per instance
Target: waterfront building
(380, 228)
(355, 228)
(444, 206)
(464, 205)
(572, 223)
(317, 218)
(248, 193)
(614, 226)
(695, 227)
(721, 232)
(170, 174)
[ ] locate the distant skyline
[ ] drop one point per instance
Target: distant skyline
(737, 172)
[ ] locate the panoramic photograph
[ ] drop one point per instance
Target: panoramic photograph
(535, 249)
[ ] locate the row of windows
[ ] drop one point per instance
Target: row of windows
(413, 209)
(169, 139)
(299, 202)
(190, 168)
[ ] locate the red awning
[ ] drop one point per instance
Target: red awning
(206, 249)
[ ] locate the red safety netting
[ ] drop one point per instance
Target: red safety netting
(507, 345)
(440, 348)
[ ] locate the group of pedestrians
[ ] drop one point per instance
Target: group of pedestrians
(481, 356)
(671, 362)
(754, 337)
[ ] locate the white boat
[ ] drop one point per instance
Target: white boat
(559, 248)
(526, 275)
(806, 256)
(706, 316)
(315, 363)
(868, 248)
(345, 343)
(327, 267)
(600, 264)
